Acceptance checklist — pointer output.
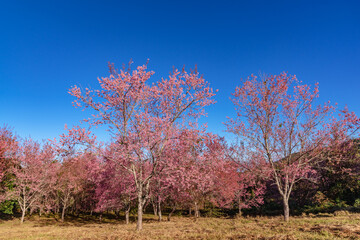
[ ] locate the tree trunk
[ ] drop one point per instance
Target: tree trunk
(172, 211)
(139, 215)
(63, 213)
(189, 211)
(22, 216)
(143, 195)
(159, 211)
(286, 209)
(57, 210)
(31, 211)
(240, 212)
(127, 214)
(197, 212)
(155, 208)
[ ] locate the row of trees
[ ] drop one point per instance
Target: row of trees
(160, 155)
(54, 176)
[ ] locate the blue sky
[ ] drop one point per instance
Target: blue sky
(48, 46)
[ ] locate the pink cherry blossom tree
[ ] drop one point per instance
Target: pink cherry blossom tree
(252, 171)
(143, 117)
(192, 172)
(8, 148)
(115, 187)
(277, 117)
(78, 164)
(35, 165)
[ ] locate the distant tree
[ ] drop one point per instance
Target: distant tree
(339, 172)
(247, 175)
(78, 165)
(8, 148)
(35, 165)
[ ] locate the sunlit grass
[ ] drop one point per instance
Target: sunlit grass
(315, 227)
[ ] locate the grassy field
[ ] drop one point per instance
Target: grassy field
(323, 226)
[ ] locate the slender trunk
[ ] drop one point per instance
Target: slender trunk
(159, 211)
(240, 212)
(63, 213)
(127, 214)
(189, 211)
(286, 209)
(197, 212)
(143, 195)
(100, 217)
(91, 212)
(40, 212)
(22, 215)
(155, 208)
(31, 211)
(23, 208)
(172, 211)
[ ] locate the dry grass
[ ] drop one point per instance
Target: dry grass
(313, 227)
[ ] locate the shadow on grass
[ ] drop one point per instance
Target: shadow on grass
(84, 220)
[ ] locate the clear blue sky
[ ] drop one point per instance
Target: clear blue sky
(48, 46)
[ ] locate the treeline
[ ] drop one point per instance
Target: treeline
(44, 179)
(289, 153)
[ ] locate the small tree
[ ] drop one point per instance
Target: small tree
(73, 149)
(35, 165)
(8, 148)
(71, 180)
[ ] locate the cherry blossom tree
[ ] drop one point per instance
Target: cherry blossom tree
(8, 148)
(143, 117)
(35, 165)
(74, 149)
(251, 173)
(115, 188)
(71, 179)
(277, 117)
(250, 190)
(192, 172)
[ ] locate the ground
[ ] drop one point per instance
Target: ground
(321, 226)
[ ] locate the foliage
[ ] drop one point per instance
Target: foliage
(8, 206)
